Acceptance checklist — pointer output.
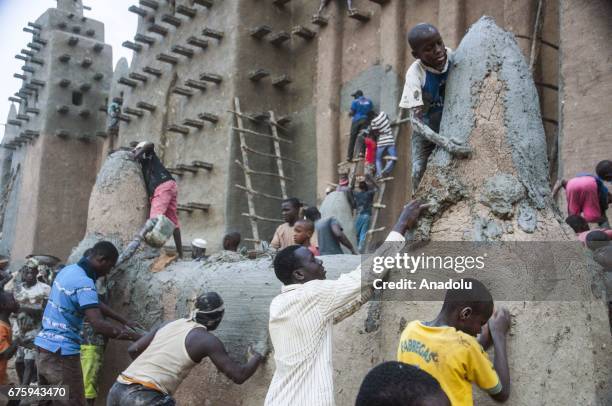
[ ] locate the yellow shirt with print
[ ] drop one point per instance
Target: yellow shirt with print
(453, 357)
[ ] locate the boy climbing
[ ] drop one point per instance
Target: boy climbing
(370, 151)
(381, 126)
(447, 347)
(364, 200)
(587, 195)
(360, 109)
(161, 188)
(302, 233)
(423, 96)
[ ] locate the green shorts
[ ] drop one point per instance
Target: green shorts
(91, 364)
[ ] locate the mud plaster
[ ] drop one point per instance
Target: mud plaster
(500, 193)
(118, 204)
(486, 48)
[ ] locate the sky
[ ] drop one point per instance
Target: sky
(119, 26)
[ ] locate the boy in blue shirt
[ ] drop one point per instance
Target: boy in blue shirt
(423, 96)
(360, 109)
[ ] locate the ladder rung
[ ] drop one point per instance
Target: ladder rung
(255, 192)
(244, 130)
(256, 217)
(376, 230)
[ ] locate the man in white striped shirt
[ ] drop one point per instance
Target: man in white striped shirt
(301, 318)
(381, 127)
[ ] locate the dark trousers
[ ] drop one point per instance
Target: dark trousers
(136, 395)
(356, 126)
(56, 369)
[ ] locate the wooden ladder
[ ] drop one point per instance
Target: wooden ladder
(245, 149)
(378, 204)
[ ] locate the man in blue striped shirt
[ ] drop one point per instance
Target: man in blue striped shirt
(74, 296)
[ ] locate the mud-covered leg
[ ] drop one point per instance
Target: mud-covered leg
(421, 149)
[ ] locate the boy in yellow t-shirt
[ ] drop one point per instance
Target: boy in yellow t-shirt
(447, 347)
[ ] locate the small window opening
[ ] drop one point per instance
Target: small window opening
(77, 98)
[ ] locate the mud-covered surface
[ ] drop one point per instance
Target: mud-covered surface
(118, 205)
(502, 191)
(336, 205)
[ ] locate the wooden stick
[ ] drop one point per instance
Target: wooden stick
(375, 230)
(249, 170)
(279, 161)
(255, 192)
(274, 123)
(252, 240)
(256, 217)
(247, 177)
(270, 155)
(537, 30)
(381, 191)
(244, 130)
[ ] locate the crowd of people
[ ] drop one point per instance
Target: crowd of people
(57, 324)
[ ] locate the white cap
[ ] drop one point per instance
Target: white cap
(141, 144)
(199, 243)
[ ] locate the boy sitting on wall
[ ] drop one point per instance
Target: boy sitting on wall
(447, 347)
(423, 96)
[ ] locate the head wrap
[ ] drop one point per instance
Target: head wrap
(209, 310)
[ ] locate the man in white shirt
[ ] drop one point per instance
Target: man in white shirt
(302, 316)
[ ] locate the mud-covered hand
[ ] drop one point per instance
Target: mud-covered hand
(499, 323)
(252, 353)
(409, 216)
(455, 147)
(262, 348)
(134, 325)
